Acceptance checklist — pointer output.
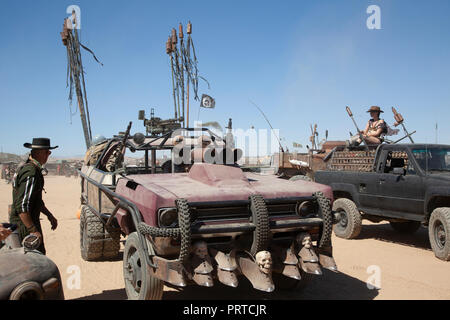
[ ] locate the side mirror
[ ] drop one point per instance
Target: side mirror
(399, 171)
(141, 115)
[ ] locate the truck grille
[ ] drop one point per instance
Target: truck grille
(241, 209)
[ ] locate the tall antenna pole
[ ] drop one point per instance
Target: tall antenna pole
(436, 132)
(75, 73)
(188, 31)
(169, 50)
(181, 36)
(184, 71)
(281, 147)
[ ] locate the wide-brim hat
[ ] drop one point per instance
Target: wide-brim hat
(39, 143)
(375, 109)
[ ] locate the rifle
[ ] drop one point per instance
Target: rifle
(359, 131)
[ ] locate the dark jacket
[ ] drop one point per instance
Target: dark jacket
(28, 184)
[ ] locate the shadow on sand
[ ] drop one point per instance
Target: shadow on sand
(384, 232)
(330, 285)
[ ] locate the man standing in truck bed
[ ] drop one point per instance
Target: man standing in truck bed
(28, 184)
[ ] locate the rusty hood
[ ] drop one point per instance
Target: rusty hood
(209, 182)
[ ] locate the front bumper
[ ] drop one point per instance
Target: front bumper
(200, 260)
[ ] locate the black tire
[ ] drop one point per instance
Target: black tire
(28, 290)
(300, 177)
(260, 217)
(97, 242)
(91, 235)
(405, 227)
(139, 283)
(439, 233)
(111, 245)
(288, 284)
(349, 227)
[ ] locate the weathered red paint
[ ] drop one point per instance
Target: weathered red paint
(209, 182)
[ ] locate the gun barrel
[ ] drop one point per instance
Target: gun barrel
(349, 111)
(356, 125)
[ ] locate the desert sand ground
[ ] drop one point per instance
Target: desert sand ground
(408, 268)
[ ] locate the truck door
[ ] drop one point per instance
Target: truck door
(401, 194)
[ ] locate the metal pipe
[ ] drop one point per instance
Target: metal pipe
(173, 88)
(153, 161)
(146, 159)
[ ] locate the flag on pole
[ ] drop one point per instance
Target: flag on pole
(207, 102)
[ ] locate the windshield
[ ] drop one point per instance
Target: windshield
(433, 159)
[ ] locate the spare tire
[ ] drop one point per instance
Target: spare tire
(97, 242)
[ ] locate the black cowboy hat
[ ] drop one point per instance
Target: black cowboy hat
(375, 109)
(39, 143)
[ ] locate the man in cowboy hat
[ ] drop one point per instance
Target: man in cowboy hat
(375, 129)
(28, 184)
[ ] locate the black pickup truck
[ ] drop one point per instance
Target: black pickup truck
(405, 184)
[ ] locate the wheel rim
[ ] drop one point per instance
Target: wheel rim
(27, 291)
(439, 234)
(343, 222)
(133, 270)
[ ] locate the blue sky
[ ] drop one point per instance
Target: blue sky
(302, 62)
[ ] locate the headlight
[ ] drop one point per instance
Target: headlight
(167, 217)
(306, 208)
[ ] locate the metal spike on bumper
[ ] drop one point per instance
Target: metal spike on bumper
(311, 267)
(201, 265)
(170, 271)
(285, 261)
(291, 271)
(228, 278)
(226, 266)
(328, 262)
(326, 259)
(309, 261)
(204, 280)
(224, 261)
